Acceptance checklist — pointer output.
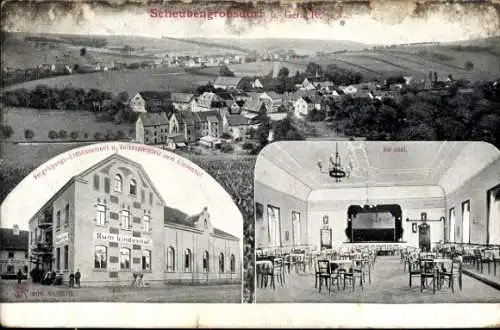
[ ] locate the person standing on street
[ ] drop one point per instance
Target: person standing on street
(77, 277)
(19, 276)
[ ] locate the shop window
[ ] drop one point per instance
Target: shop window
(187, 261)
(233, 263)
(10, 268)
(146, 260)
(66, 257)
(118, 183)
(100, 257)
(133, 187)
(26, 269)
(101, 215)
(125, 220)
(206, 259)
(221, 263)
(170, 259)
(146, 223)
(96, 182)
(124, 258)
(58, 258)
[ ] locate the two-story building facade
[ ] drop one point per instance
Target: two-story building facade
(13, 251)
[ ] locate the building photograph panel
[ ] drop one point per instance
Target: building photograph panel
(130, 222)
(377, 222)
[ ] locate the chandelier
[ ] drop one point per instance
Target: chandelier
(335, 169)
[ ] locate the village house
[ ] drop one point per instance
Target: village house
(255, 106)
(210, 123)
(207, 101)
(234, 107)
(325, 87)
(182, 101)
(14, 246)
(303, 106)
(183, 123)
(306, 85)
(237, 125)
(256, 84)
(227, 82)
(149, 101)
(272, 99)
(152, 128)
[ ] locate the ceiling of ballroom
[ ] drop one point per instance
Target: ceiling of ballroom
(380, 163)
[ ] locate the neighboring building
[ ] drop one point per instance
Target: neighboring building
(227, 82)
(207, 101)
(303, 106)
(152, 128)
(210, 123)
(13, 251)
(110, 222)
(254, 105)
(182, 101)
(257, 84)
(184, 123)
(237, 125)
(272, 100)
(306, 85)
(147, 101)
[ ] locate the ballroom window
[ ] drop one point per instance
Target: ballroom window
(206, 266)
(452, 224)
(96, 182)
(273, 217)
(66, 215)
(106, 185)
(125, 223)
(124, 258)
(187, 261)
(133, 187)
(296, 228)
(146, 260)
(466, 222)
(100, 257)
(118, 183)
(58, 219)
(146, 223)
(233, 263)
(101, 215)
(170, 259)
(221, 263)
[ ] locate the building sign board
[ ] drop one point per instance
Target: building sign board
(122, 239)
(62, 238)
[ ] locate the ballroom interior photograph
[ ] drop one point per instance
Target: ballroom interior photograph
(377, 222)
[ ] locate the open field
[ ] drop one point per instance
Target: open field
(131, 81)
(263, 68)
(42, 121)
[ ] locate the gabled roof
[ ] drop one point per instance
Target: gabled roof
(205, 115)
(96, 166)
(154, 118)
(181, 97)
(222, 233)
(307, 99)
(9, 241)
(154, 95)
(227, 81)
(236, 120)
(253, 105)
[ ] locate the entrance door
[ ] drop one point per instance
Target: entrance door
(424, 237)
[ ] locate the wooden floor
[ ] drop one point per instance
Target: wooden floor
(389, 285)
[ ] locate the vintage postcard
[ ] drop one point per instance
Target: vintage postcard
(233, 152)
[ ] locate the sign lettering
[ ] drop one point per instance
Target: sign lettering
(122, 239)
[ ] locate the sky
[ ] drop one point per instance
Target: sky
(179, 187)
(387, 22)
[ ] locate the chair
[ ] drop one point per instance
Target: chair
(413, 269)
(335, 276)
(275, 272)
(322, 273)
(449, 275)
(427, 270)
(353, 273)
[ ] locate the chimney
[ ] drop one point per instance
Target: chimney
(15, 230)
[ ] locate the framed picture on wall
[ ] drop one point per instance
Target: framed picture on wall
(326, 238)
(414, 227)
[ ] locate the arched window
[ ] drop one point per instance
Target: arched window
(187, 261)
(124, 258)
(233, 263)
(133, 187)
(170, 259)
(206, 263)
(118, 183)
(100, 257)
(221, 263)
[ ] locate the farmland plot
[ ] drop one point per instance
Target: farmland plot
(263, 68)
